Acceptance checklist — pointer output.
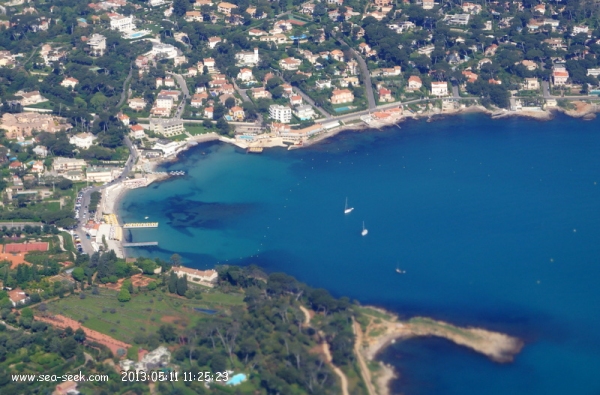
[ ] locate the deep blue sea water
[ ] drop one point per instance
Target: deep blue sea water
(497, 224)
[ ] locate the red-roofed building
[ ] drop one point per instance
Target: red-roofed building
(17, 297)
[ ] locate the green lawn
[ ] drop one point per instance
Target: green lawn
(196, 129)
(47, 105)
(142, 314)
(68, 241)
(52, 206)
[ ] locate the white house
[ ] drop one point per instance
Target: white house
(69, 82)
(204, 277)
(282, 114)
(304, 112)
(82, 140)
(245, 75)
(121, 23)
(439, 88)
(248, 58)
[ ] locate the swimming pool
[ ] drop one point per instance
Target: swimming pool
(137, 34)
(342, 109)
(207, 311)
(237, 379)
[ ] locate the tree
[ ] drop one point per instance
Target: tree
(124, 295)
(79, 335)
(230, 102)
(175, 259)
(172, 284)
(180, 7)
(167, 333)
(182, 285)
(78, 274)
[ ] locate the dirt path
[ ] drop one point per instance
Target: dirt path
(364, 370)
(306, 315)
(337, 370)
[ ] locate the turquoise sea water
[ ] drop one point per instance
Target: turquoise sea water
(496, 223)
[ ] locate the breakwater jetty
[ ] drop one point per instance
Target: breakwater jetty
(136, 225)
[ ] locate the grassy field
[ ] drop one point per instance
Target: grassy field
(144, 313)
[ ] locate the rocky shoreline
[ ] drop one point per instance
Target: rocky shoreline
(381, 328)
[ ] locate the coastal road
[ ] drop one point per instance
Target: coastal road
(85, 200)
(366, 76)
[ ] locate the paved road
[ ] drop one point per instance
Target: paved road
(241, 91)
(125, 92)
(366, 76)
(186, 93)
(85, 201)
(455, 93)
(546, 89)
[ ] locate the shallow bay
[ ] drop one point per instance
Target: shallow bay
(495, 222)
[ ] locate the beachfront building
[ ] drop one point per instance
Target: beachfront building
(166, 127)
(68, 164)
(279, 113)
(439, 88)
(100, 174)
(82, 140)
(341, 96)
(203, 277)
(167, 147)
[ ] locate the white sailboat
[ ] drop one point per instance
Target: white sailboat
(365, 231)
(399, 271)
(347, 210)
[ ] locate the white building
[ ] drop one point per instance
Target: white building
(168, 147)
(304, 112)
(282, 114)
(197, 276)
(164, 101)
(439, 89)
(99, 174)
(97, 44)
(164, 51)
(67, 164)
(166, 127)
(82, 140)
(248, 58)
(121, 23)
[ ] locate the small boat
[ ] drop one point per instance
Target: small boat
(365, 231)
(400, 271)
(347, 210)
(146, 217)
